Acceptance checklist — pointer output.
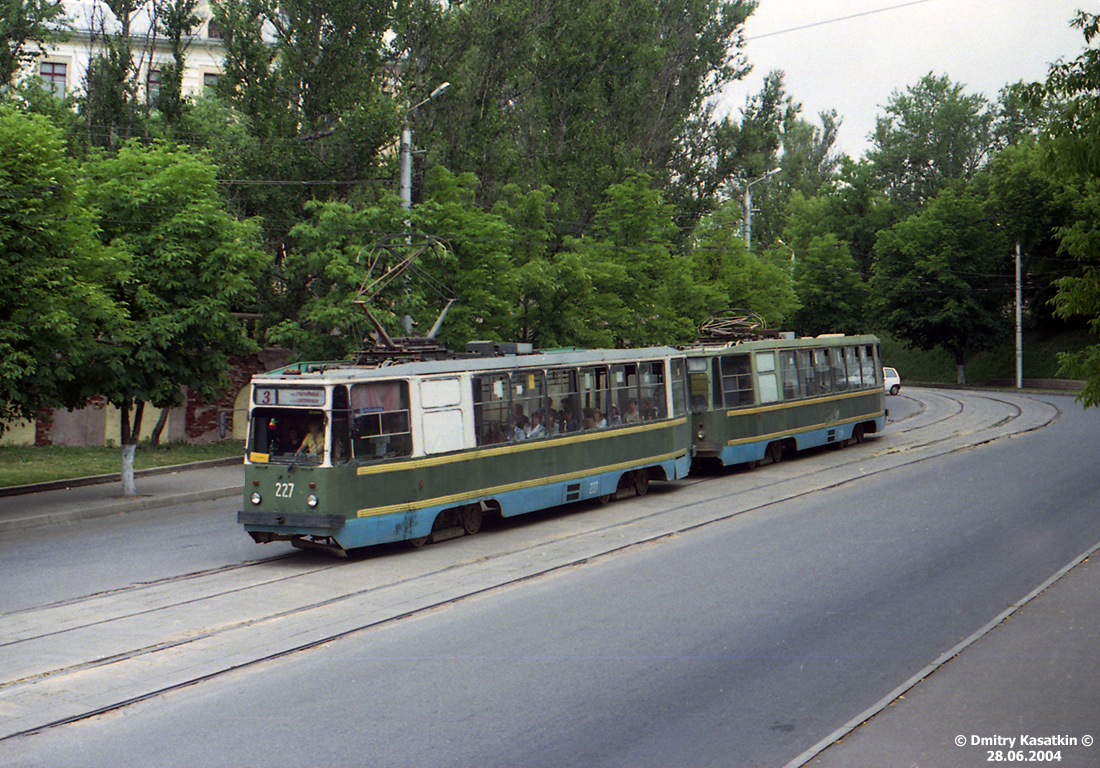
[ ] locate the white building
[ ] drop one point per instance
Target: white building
(63, 67)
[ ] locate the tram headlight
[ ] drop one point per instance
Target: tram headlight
(256, 497)
(311, 500)
(700, 433)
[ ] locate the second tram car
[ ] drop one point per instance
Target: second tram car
(756, 400)
(342, 456)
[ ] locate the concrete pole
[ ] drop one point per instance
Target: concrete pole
(406, 166)
(1019, 325)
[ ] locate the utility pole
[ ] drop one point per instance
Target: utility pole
(746, 202)
(1019, 325)
(406, 148)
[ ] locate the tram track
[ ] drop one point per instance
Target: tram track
(91, 655)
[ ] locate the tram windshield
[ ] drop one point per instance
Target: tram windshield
(289, 435)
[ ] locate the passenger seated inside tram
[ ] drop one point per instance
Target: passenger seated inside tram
(593, 419)
(535, 428)
(631, 414)
(494, 434)
(649, 410)
(616, 419)
(568, 417)
(518, 418)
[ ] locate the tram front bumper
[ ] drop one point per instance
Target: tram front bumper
(285, 520)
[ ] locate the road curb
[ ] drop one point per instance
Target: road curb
(79, 482)
(114, 506)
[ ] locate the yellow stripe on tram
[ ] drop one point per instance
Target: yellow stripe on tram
(500, 450)
(456, 498)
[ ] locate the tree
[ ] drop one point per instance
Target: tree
(941, 277)
(335, 252)
(177, 21)
(111, 108)
(726, 275)
(1033, 205)
(305, 80)
(931, 134)
(51, 267)
(186, 265)
(830, 289)
(638, 278)
(574, 95)
(25, 27)
(1072, 142)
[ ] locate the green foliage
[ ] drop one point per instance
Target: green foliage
(26, 27)
(571, 94)
(51, 267)
(309, 100)
(941, 277)
(1032, 205)
(1072, 142)
(331, 255)
(186, 265)
(727, 275)
(931, 134)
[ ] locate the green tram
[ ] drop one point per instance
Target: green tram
(758, 399)
(341, 456)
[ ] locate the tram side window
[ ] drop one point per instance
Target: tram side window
(679, 388)
(380, 420)
(698, 383)
(625, 397)
(654, 403)
(737, 380)
(529, 419)
(594, 397)
(562, 406)
(806, 377)
(840, 373)
(870, 370)
(792, 385)
(716, 381)
(823, 371)
(493, 417)
(851, 357)
(767, 377)
(341, 426)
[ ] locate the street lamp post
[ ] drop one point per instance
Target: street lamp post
(747, 203)
(780, 241)
(406, 147)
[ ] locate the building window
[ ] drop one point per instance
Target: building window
(152, 84)
(209, 80)
(53, 77)
(213, 30)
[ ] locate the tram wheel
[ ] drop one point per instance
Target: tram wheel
(858, 434)
(641, 482)
(605, 499)
(775, 452)
(471, 518)
(418, 542)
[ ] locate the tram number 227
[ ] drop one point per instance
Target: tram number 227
(284, 490)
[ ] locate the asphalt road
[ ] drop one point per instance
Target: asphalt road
(742, 640)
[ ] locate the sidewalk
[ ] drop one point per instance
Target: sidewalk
(60, 503)
(1024, 689)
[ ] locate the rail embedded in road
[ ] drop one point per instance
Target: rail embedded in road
(101, 652)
